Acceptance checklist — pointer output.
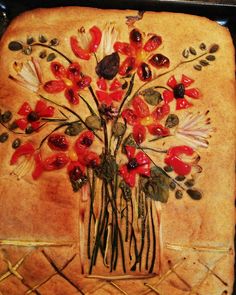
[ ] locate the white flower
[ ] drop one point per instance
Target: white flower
(29, 74)
(109, 37)
(195, 129)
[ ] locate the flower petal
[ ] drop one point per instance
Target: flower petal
(54, 86)
(72, 96)
(192, 92)
(73, 72)
(102, 84)
(144, 72)
(186, 81)
(160, 112)
(36, 125)
(140, 107)
(129, 176)
(144, 170)
(158, 130)
(168, 96)
(130, 116)
(130, 151)
(58, 70)
(124, 48)
(104, 97)
(25, 109)
(139, 133)
(22, 123)
(142, 158)
(182, 103)
(127, 66)
(159, 61)
(152, 43)
(115, 85)
(172, 82)
(179, 166)
(116, 95)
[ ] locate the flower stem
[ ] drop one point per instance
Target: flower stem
(152, 149)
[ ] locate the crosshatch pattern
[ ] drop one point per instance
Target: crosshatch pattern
(56, 276)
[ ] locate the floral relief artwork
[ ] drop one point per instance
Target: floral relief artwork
(119, 159)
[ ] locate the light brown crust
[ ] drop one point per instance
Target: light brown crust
(39, 219)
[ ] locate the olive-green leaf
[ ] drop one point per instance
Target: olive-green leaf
(128, 141)
(126, 190)
(93, 122)
(172, 121)
(151, 96)
(194, 194)
(118, 129)
(156, 186)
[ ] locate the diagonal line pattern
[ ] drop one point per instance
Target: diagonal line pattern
(61, 273)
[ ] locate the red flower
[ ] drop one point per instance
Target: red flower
(139, 164)
(32, 117)
(141, 118)
(180, 166)
(138, 55)
(88, 47)
(69, 80)
(105, 96)
(179, 91)
(86, 157)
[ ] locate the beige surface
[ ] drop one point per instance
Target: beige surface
(46, 210)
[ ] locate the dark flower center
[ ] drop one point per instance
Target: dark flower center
(86, 141)
(132, 164)
(179, 91)
(33, 116)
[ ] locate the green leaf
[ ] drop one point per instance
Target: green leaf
(93, 122)
(118, 129)
(151, 96)
(108, 168)
(156, 186)
(128, 141)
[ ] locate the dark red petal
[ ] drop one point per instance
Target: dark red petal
(153, 43)
(192, 92)
(73, 72)
(116, 95)
(182, 103)
(130, 117)
(159, 61)
(71, 96)
(124, 48)
(58, 70)
(96, 35)
(40, 107)
(136, 39)
(74, 164)
(140, 107)
(83, 82)
(54, 86)
(115, 85)
(144, 72)
(77, 50)
(102, 84)
(168, 96)
(55, 162)
(139, 133)
(160, 112)
(186, 81)
(158, 130)
(58, 142)
(104, 97)
(25, 109)
(85, 139)
(172, 82)
(142, 158)
(127, 66)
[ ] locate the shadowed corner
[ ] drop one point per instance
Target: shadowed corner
(3, 19)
